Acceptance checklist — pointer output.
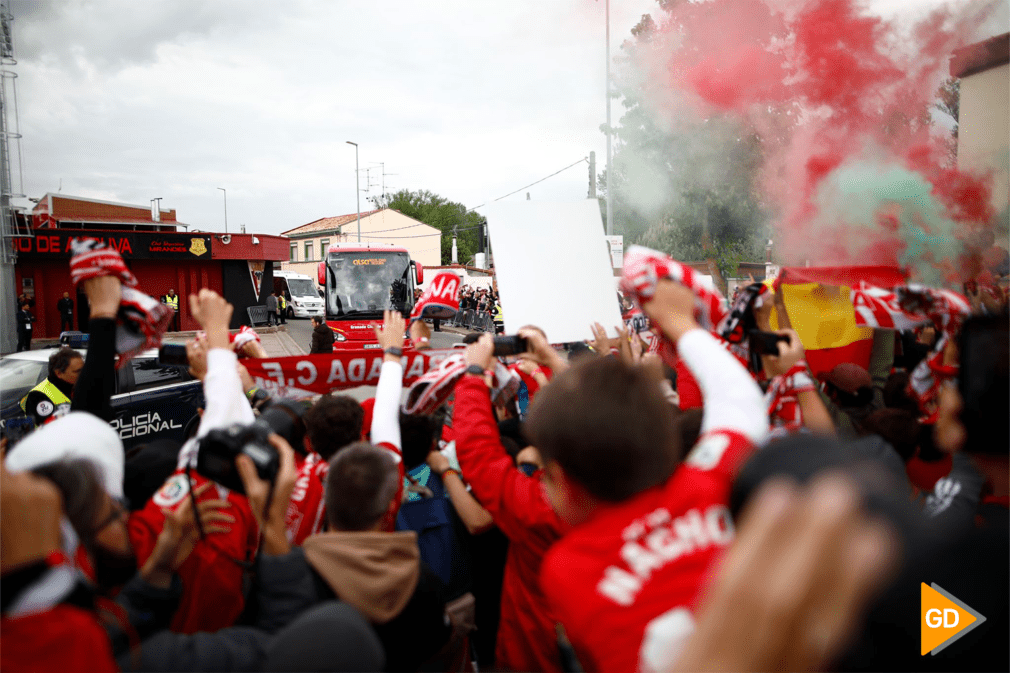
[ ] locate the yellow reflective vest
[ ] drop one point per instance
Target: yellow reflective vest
(47, 388)
(173, 302)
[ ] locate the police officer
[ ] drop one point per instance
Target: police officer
(51, 398)
(499, 318)
(172, 300)
(282, 309)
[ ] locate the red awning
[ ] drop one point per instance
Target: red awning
(881, 276)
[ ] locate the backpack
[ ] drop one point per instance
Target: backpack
(440, 535)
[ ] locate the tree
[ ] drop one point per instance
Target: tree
(446, 216)
(949, 95)
(684, 186)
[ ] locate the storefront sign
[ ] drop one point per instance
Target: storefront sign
(130, 244)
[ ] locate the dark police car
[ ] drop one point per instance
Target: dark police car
(152, 400)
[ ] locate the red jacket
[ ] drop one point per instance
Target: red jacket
(519, 507)
(306, 510)
(64, 638)
(212, 597)
(624, 582)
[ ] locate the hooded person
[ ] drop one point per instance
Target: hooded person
(378, 572)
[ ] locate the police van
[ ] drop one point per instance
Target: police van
(152, 400)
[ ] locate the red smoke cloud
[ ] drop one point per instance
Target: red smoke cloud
(855, 88)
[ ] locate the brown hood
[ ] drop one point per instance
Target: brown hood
(376, 573)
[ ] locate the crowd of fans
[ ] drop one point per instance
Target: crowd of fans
(609, 508)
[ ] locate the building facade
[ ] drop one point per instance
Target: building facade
(159, 252)
(308, 243)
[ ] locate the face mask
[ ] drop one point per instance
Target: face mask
(529, 469)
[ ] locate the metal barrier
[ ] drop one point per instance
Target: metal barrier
(258, 315)
(474, 320)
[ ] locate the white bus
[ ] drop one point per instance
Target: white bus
(300, 292)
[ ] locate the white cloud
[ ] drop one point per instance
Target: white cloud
(127, 101)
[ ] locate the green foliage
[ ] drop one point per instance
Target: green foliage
(681, 185)
(444, 215)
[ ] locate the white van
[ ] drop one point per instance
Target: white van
(300, 292)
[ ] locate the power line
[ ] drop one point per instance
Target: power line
(468, 210)
(532, 183)
(441, 233)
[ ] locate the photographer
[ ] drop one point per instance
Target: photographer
(216, 572)
(526, 633)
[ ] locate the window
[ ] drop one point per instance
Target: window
(148, 373)
(323, 246)
(294, 252)
(308, 251)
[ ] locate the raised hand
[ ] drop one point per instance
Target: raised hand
(392, 331)
(672, 309)
(790, 352)
(481, 352)
(213, 313)
(271, 521)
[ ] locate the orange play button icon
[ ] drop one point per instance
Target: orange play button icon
(944, 619)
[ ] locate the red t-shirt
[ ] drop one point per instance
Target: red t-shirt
(212, 576)
(624, 583)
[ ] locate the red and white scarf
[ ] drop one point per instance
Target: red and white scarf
(644, 268)
(906, 307)
(782, 398)
(141, 319)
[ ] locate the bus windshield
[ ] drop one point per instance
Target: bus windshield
(301, 287)
(367, 282)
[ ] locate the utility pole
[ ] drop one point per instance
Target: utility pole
(592, 175)
(225, 208)
(357, 187)
(610, 165)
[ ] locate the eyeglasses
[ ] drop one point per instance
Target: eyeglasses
(119, 512)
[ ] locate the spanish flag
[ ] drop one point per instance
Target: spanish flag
(818, 301)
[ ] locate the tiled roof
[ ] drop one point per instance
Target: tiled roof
(327, 223)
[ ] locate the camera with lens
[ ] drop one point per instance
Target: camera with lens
(220, 447)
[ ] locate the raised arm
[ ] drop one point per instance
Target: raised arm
(226, 403)
(733, 401)
(514, 501)
(97, 383)
(386, 413)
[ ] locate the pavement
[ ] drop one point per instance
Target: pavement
(285, 340)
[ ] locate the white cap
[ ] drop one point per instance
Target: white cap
(76, 435)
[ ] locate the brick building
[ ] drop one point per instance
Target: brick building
(156, 247)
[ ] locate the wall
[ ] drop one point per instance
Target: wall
(422, 241)
(240, 290)
(51, 278)
(71, 208)
(984, 128)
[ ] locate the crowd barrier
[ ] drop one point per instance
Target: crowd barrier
(475, 320)
(257, 315)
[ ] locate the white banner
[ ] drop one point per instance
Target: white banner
(552, 267)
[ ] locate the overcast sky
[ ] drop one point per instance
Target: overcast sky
(126, 101)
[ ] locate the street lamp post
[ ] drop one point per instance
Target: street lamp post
(610, 166)
(357, 188)
(225, 208)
